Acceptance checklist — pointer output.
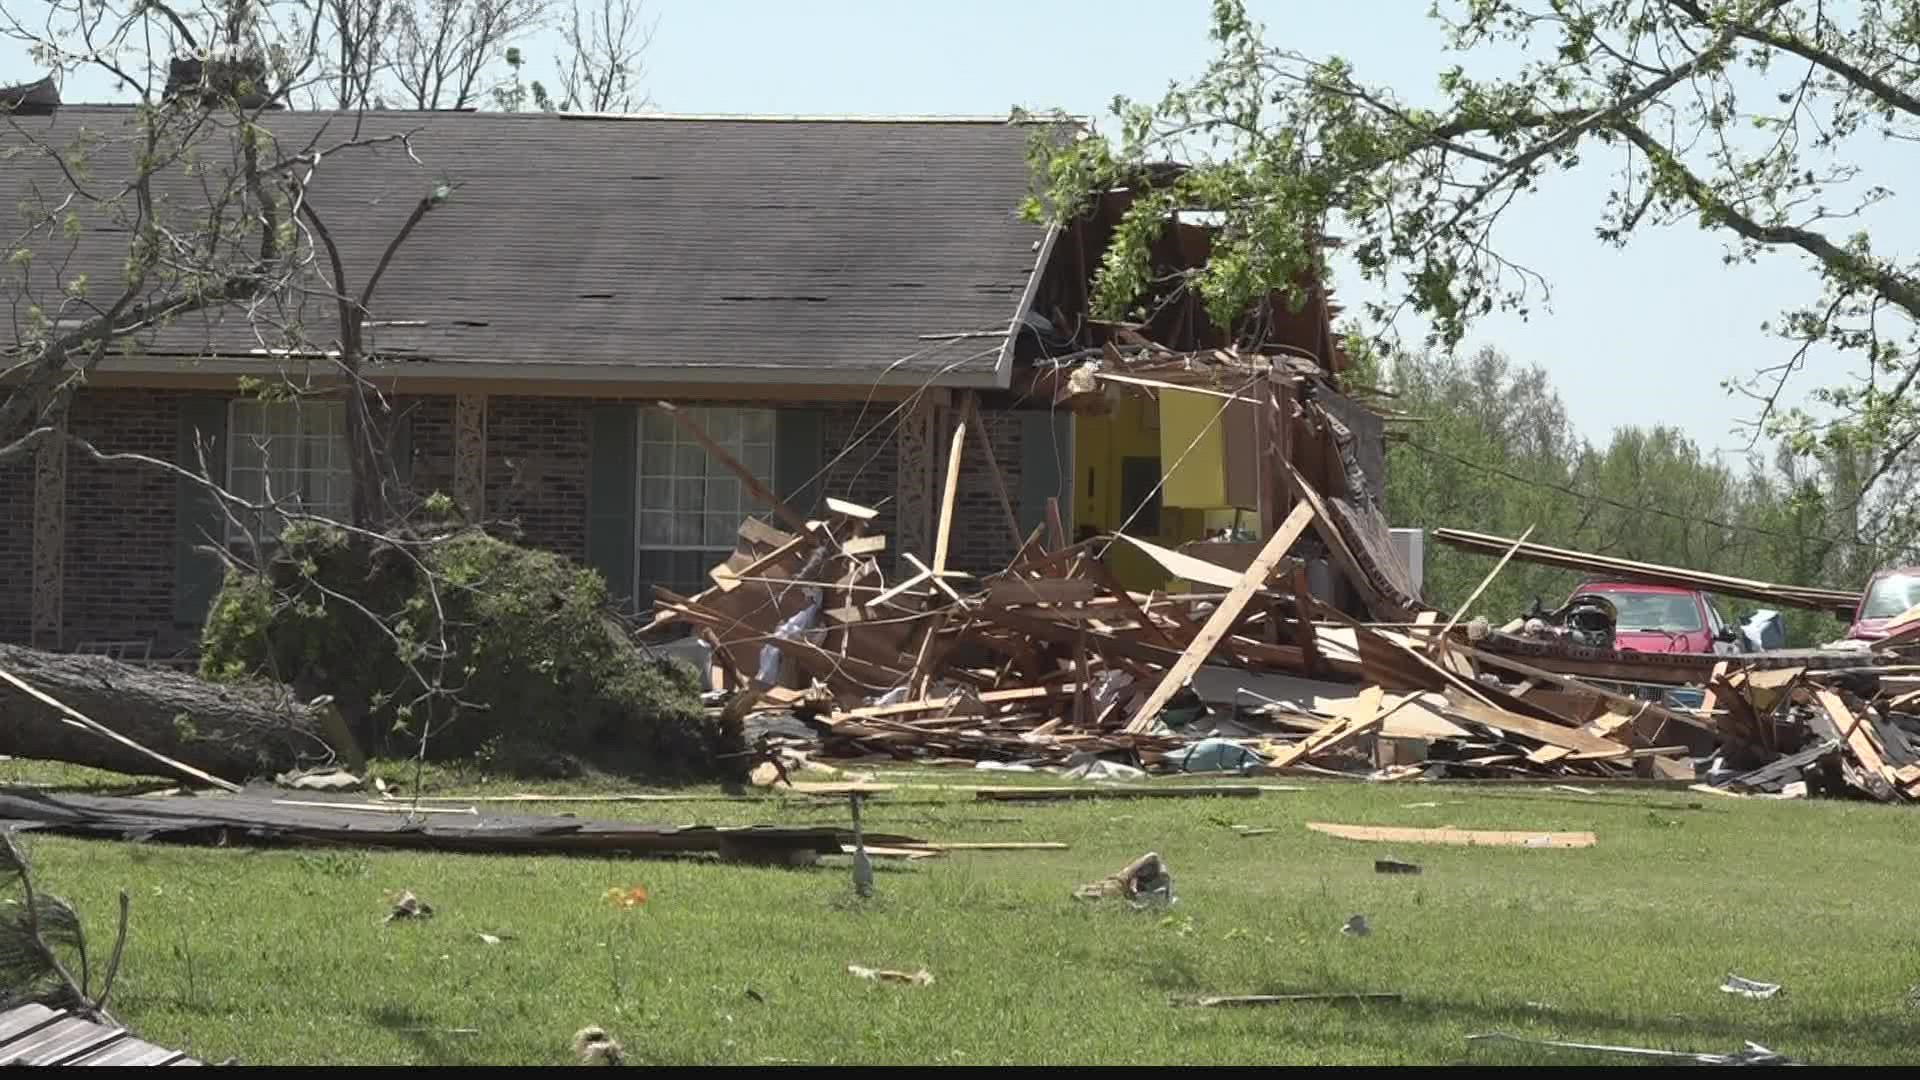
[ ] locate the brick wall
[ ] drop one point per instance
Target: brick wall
(431, 421)
(119, 550)
(16, 551)
(537, 470)
(868, 467)
(981, 541)
(120, 519)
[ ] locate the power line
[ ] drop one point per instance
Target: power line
(1585, 496)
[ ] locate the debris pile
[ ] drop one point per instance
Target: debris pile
(1239, 664)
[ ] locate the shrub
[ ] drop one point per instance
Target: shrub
(536, 667)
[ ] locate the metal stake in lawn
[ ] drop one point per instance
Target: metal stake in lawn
(862, 865)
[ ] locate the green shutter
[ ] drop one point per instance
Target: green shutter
(197, 520)
(400, 449)
(799, 440)
(610, 498)
(1046, 466)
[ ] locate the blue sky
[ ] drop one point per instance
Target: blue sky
(1642, 336)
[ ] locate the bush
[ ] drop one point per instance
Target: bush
(536, 667)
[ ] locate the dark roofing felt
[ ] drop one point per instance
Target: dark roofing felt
(660, 243)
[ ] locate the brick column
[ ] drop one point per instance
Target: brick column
(49, 535)
(917, 481)
(470, 454)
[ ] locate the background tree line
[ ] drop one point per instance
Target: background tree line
(1490, 448)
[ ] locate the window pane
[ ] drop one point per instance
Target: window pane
(656, 459)
(721, 528)
(656, 494)
(656, 568)
(689, 495)
(656, 426)
(686, 529)
(690, 569)
(689, 460)
(759, 462)
(723, 425)
(656, 527)
(756, 425)
(723, 493)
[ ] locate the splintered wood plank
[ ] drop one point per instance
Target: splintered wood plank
(1053, 794)
(1184, 566)
(1056, 529)
(1361, 715)
(759, 532)
(1482, 587)
(865, 545)
(942, 540)
(1240, 1001)
(728, 579)
(903, 586)
(1103, 574)
(1223, 617)
(1660, 712)
(1303, 632)
(1456, 837)
(1858, 734)
(1567, 738)
(852, 509)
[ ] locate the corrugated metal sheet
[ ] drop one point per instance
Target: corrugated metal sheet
(633, 242)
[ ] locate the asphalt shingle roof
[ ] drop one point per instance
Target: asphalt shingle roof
(767, 246)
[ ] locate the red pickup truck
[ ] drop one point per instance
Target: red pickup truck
(1660, 618)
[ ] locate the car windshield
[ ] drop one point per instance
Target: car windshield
(1675, 613)
(1891, 595)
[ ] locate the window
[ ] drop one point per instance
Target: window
(1676, 613)
(292, 452)
(690, 505)
(1891, 595)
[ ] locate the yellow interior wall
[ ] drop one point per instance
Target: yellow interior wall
(1128, 429)
(1192, 451)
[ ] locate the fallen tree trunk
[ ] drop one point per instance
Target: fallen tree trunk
(234, 732)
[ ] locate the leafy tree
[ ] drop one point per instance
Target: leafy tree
(1746, 118)
(1494, 452)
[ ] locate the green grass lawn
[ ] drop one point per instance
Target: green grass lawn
(280, 957)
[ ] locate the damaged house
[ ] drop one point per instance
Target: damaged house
(825, 297)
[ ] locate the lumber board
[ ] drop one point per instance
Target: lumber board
(1361, 715)
(1577, 740)
(1456, 837)
(852, 509)
(1223, 617)
(1542, 675)
(1857, 733)
(1831, 600)
(1184, 566)
(1241, 1001)
(943, 540)
(727, 578)
(1094, 791)
(865, 545)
